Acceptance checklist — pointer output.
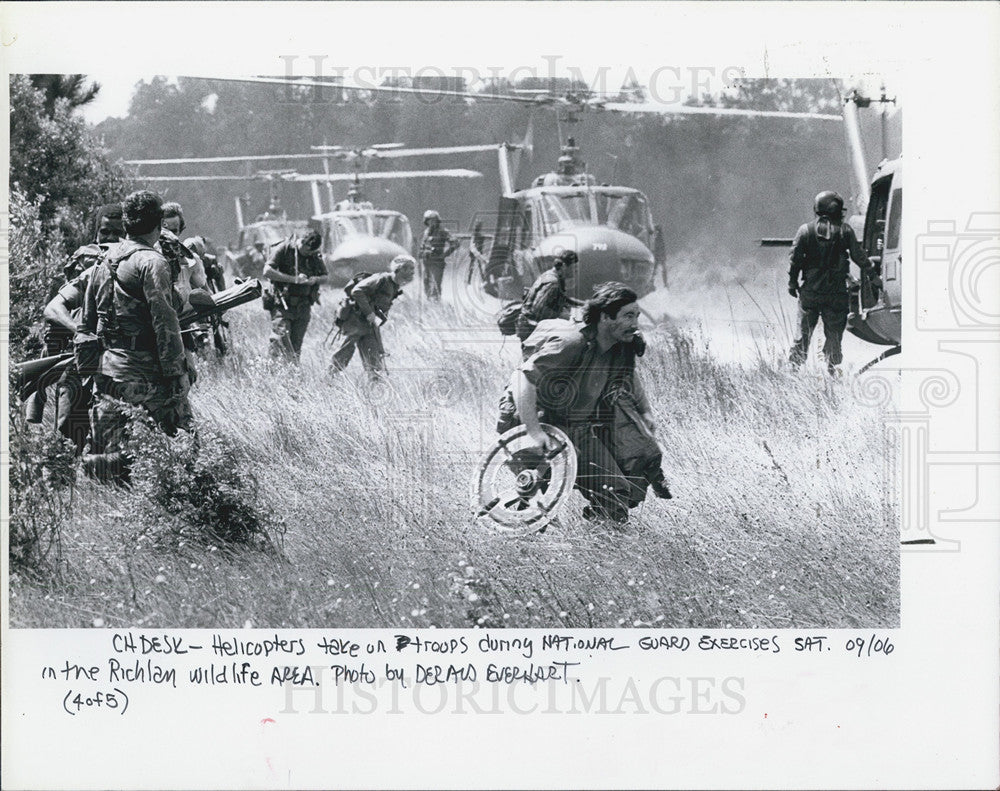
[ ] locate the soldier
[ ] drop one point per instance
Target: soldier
(547, 298)
(296, 270)
(364, 310)
(140, 361)
(214, 273)
(73, 394)
(576, 375)
(820, 256)
(107, 230)
(189, 267)
(435, 246)
(60, 324)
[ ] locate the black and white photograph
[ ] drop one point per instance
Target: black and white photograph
(575, 304)
(593, 352)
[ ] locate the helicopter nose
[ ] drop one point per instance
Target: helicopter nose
(363, 254)
(604, 254)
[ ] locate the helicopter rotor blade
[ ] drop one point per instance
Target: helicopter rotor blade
(314, 83)
(681, 109)
(199, 178)
(459, 173)
(525, 149)
(212, 160)
(419, 152)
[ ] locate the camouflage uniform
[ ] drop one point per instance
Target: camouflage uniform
(578, 387)
(546, 299)
(73, 393)
(291, 312)
(372, 296)
(820, 255)
(58, 339)
(435, 246)
(142, 363)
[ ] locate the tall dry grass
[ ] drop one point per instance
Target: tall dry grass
(778, 520)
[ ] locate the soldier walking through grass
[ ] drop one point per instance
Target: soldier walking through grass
(129, 339)
(818, 274)
(364, 310)
(581, 378)
(296, 271)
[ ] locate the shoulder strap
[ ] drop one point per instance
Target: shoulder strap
(112, 264)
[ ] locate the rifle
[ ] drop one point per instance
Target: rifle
(476, 263)
(205, 306)
(34, 376)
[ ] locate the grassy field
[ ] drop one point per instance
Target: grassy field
(779, 518)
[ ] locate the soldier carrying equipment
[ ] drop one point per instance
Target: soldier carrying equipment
(365, 307)
(296, 271)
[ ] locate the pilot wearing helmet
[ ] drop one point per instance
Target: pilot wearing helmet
(435, 246)
(818, 275)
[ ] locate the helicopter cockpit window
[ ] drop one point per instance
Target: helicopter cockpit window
(348, 225)
(394, 227)
(564, 211)
(627, 213)
(895, 217)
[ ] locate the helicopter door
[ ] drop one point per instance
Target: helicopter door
(525, 255)
(890, 252)
(501, 277)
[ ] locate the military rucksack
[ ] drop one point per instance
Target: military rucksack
(347, 304)
(355, 279)
(507, 320)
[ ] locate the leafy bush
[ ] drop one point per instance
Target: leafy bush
(57, 162)
(200, 485)
(42, 478)
(35, 265)
(59, 173)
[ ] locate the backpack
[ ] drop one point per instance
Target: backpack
(347, 304)
(507, 320)
(357, 278)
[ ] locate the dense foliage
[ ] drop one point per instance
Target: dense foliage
(59, 172)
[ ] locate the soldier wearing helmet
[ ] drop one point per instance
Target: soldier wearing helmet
(364, 309)
(818, 275)
(548, 298)
(435, 246)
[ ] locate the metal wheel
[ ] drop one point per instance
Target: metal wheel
(517, 486)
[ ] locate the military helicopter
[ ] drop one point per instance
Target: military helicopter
(357, 236)
(610, 228)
